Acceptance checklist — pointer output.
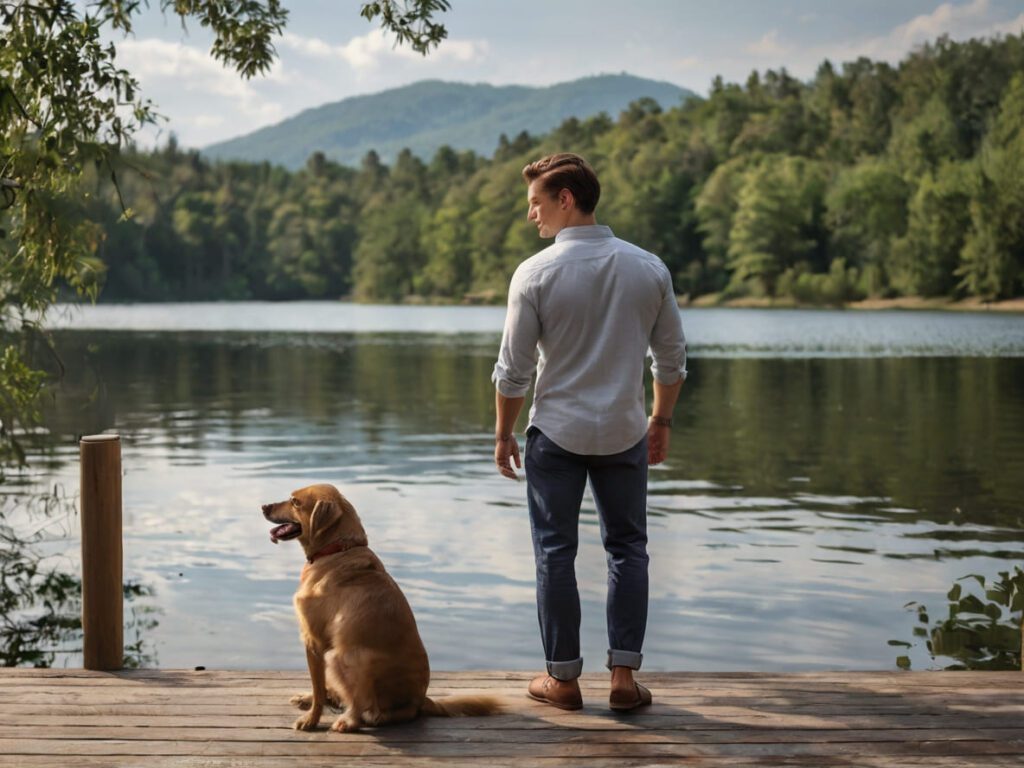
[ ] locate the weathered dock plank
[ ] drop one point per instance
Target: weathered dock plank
(223, 719)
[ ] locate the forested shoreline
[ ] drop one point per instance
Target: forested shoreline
(870, 180)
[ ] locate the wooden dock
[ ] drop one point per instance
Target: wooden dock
(159, 718)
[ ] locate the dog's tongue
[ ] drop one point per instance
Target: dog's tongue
(285, 532)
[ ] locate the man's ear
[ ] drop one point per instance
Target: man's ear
(325, 514)
(566, 198)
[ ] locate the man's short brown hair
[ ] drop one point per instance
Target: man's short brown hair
(566, 171)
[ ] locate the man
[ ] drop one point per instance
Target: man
(582, 313)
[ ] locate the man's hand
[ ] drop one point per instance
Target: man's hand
(659, 426)
(506, 450)
(658, 438)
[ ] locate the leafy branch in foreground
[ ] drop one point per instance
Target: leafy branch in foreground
(41, 602)
(68, 108)
(411, 23)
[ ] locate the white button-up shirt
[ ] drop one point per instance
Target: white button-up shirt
(583, 313)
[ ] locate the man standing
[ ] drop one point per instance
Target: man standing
(582, 313)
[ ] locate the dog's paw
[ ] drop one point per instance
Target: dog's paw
(345, 725)
(301, 700)
(307, 723)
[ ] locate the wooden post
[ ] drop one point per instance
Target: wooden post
(102, 590)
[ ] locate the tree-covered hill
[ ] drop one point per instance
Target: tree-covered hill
(870, 180)
(430, 114)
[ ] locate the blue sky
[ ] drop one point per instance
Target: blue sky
(329, 52)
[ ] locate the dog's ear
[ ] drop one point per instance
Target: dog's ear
(325, 514)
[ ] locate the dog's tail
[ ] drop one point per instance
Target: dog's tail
(461, 706)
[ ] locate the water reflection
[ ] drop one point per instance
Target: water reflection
(803, 503)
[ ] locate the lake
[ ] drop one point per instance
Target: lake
(827, 468)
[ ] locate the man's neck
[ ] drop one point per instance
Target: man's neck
(581, 220)
(578, 219)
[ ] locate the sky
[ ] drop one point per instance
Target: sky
(329, 52)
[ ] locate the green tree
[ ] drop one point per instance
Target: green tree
(728, 109)
(969, 78)
(871, 94)
(389, 255)
(448, 270)
(866, 211)
(777, 222)
(291, 254)
(716, 209)
(926, 139)
(500, 208)
(923, 260)
(992, 260)
(194, 224)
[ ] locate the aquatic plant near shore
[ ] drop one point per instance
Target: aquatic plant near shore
(979, 634)
(41, 601)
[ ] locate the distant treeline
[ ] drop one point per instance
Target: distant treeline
(870, 180)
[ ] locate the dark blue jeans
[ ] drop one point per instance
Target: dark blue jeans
(555, 481)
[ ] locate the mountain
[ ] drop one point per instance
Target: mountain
(428, 114)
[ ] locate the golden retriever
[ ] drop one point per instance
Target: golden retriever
(362, 646)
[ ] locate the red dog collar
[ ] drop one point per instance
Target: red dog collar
(330, 549)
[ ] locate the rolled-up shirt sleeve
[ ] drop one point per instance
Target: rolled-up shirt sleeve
(668, 344)
(517, 359)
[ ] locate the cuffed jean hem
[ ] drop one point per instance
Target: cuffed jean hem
(630, 659)
(566, 670)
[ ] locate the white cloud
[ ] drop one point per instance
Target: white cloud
(944, 19)
(154, 58)
(959, 22)
(310, 46)
(185, 82)
(207, 121)
(687, 63)
(1012, 27)
(375, 48)
(768, 45)
(465, 51)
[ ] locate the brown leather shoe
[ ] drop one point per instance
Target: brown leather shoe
(564, 694)
(623, 701)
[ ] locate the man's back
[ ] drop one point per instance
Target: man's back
(591, 304)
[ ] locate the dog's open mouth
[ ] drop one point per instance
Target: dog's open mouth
(285, 532)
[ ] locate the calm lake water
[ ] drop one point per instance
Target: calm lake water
(827, 469)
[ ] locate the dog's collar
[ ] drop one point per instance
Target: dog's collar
(332, 549)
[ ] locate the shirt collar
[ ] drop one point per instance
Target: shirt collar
(585, 232)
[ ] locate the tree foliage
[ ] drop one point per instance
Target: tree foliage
(869, 180)
(67, 113)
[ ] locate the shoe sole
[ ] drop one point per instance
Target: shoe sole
(628, 707)
(640, 701)
(557, 705)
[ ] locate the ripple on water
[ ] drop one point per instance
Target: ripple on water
(803, 505)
